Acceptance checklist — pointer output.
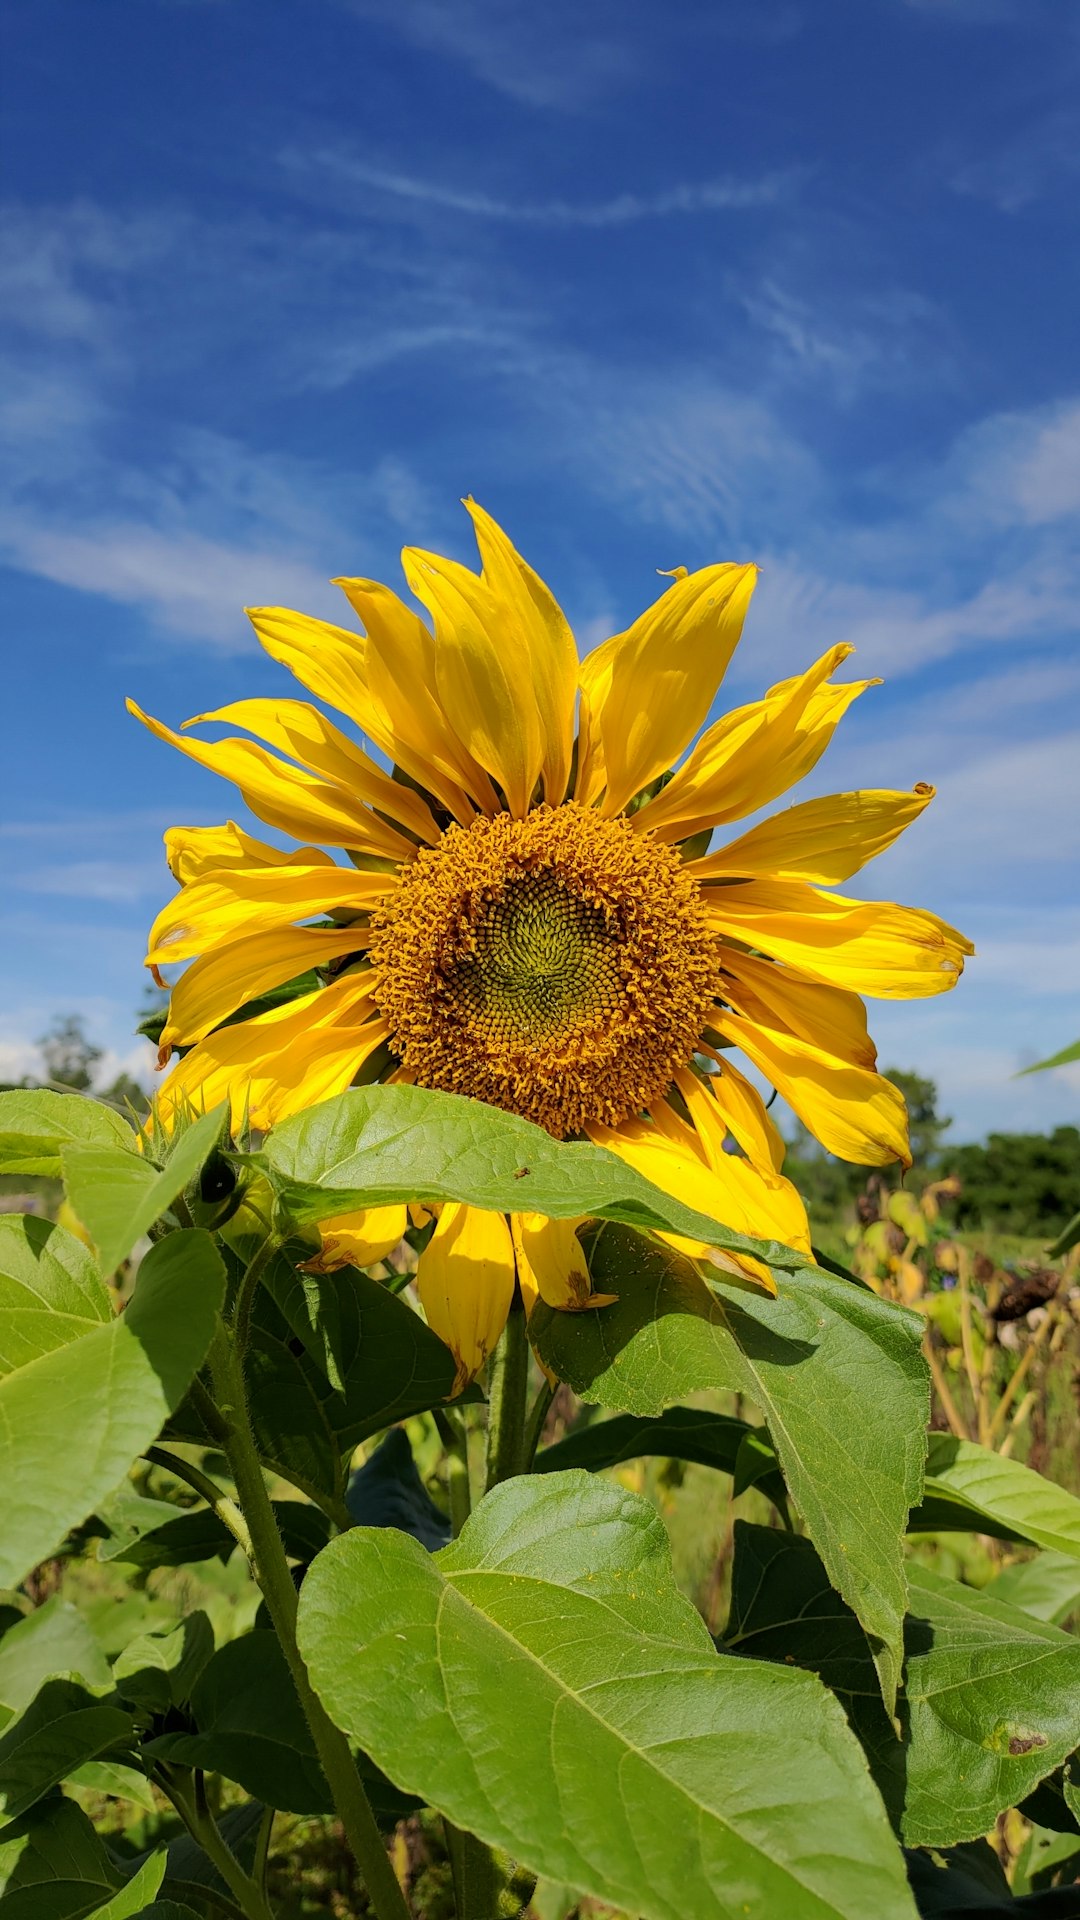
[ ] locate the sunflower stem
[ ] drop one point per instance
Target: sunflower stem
(508, 1388)
(271, 1570)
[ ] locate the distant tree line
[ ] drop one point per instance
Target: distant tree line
(69, 1058)
(1024, 1183)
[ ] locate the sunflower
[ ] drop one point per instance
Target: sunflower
(529, 914)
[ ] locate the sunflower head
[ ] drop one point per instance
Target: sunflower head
(526, 914)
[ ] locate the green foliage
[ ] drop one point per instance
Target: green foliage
(551, 1636)
(541, 1681)
(1018, 1182)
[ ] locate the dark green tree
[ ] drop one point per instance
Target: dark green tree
(70, 1057)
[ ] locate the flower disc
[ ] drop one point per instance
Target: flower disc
(559, 966)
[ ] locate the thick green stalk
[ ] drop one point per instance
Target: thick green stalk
(508, 1388)
(203, 1828)
(271, 1570)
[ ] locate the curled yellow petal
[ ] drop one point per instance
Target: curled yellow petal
(299, 729)
(825, 841)
(404, 716)
(286, 797)
(465, 1279)
(829, 1017)
(358, 1239)
(215, 986)
(483, 674)
(654, 684)
(328, 660)
(551, 1263)
(754, 753)
(192, 852)
(207, 913)
(278, 1063)
(726, 1104)
(853, 1111)
(887, 951)
(546, 641)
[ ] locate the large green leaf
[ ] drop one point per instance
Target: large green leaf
(35, 1124)
(53, 1639)
(73, 1420)
(543, 1683)
(50, 1291)
(53, 1866)
(119, 1196)
(837, 1373)
(376, 1145)
(391, 1364)
(291, 1430)
(968, 1883)
(251, 1727)
(63, 1726)
(991, 1700)
(968, 1486)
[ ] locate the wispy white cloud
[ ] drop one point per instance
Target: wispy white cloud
(726, 194)
(555, 56)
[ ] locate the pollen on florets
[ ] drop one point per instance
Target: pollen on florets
(558, 966)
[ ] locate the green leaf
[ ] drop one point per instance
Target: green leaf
(680, 1433)
(392, 1365)
(991, 1700)
(543, 1684)
(53, 1639)
(122, 1783)
(119, 1196)
(35, 1124)
(986, 1493)
(133, 1898)
(292, 1433)
(837, 1373)
(53, 1866)
(387, 1491)
(109, 1391)
(251, 1727)
(376, 1145)
(1062, 1059)
(155, 1533)
(312, 1313)
(1047, 1586)
(50, 1291)
(1066, 1240)
(63, 1726)
(157, 1671)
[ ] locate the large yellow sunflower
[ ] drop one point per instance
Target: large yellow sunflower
(529, 916)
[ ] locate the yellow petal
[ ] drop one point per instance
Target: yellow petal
(296, 728)
(287, 798)
(749, 1199)
(278, 1063)
(890, 952)
(664, 673)
(328, 660)
(358, 1239)
(216, 985)
(726, 1103)
(465, 1279)
(405, 718)
(193, 852)
(822, 840)
(755, 753)
(827, 1017)
(551, 1263)
(854, 1112)
(483, 674)
(546, 640)
(207, 913)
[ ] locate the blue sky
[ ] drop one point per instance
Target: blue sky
(728, 279)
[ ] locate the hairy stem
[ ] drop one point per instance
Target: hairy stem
(507, 1391)
(200, 1823)
(271, 1570)
(219, 1503)
(455, 1439)
(534, 1425)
